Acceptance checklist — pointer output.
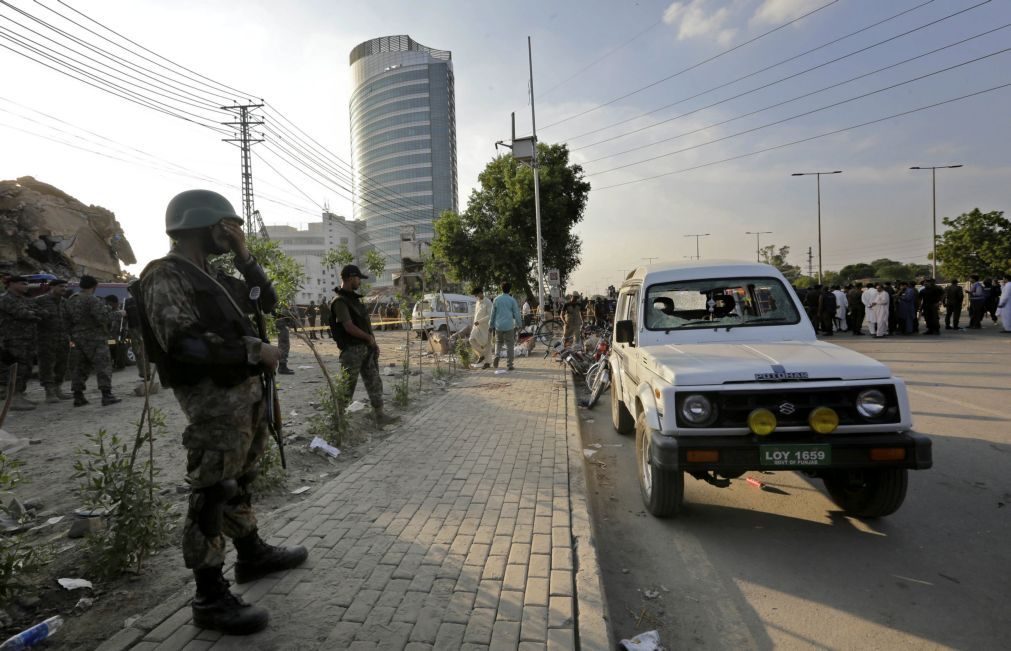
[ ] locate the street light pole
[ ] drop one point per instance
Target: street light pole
(758, 242)
(933, 191)
(698, 236)
(537, 185)
(821, 270)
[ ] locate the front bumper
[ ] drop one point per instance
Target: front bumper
(742, 453)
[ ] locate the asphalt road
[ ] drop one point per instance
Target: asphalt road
(756, 568)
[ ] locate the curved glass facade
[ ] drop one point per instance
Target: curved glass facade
(403, 139)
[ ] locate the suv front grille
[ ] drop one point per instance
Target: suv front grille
(793, 406)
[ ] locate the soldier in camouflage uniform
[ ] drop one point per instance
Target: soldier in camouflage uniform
(352, 330)
(18, 320)
(54, 343)
(198, 333)
(87, 319)
(284, 322)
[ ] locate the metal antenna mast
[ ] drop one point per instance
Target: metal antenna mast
(245, 141)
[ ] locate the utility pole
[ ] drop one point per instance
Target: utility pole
(758, 242)
(810, 262)
(698, 236)
(933, 190)
(818, 175)
(245, 140)
(537, 184)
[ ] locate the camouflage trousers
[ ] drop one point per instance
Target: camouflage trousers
(283, 342)
(90, 355)
(225, 440)
(23, 351)
(359, 359)
(54, 353)
(137, 345)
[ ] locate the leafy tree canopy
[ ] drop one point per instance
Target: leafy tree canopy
(338, 258)
(975, 243)
(777, 258)
(284, 272)
(494, 239)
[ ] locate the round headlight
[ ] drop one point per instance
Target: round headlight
(696, 409)
(762, 421)
(823, 420)
(871, 403)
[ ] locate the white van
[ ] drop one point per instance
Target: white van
(443, 312)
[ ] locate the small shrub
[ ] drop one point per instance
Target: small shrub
(330, 423)
(464, 352)
(18, 559)
(115, 480)
(401, 390)
(271, 475)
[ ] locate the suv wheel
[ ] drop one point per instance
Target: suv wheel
(620, 416)
(869, 493)
(662, 490)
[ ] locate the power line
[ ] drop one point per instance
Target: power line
(795, 116)
(754, 73)
(809, 138)
(691, 67)
(773, 83)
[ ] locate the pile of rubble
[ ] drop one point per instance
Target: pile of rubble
(45, 230)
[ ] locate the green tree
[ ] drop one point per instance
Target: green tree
(375, 262)
(975, 243)
(857, 271)
(494, 239)
(777, 258)
(284, 272)
(338, 258)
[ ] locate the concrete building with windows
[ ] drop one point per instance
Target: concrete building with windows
(308, 246)
(403, 140)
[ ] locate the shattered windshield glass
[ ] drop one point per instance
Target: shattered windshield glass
(719, 302)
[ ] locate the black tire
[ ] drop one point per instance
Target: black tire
(549, 332)
(621, 418)
(662, 491)
(603, 377)
(869, 493)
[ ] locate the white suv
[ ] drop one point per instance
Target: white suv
(718, 371)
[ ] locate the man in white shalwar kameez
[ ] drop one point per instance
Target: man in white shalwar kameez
(1004, 305)
(867, 298)
(841, 305)
(880, 315)
(480, 333)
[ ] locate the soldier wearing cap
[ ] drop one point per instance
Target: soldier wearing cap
(352, 330)
(198, 332)
(18, 321)
(54, 342)
(87, 320)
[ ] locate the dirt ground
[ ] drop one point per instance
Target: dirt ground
(58, 431)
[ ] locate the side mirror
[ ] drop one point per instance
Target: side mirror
(624, 332)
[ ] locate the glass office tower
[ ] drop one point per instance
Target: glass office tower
(403, 139)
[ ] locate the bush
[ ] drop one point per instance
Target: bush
(464, 352)
(330, 424)
(18, 559)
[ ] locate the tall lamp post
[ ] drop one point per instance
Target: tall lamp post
(819, 175)
(698, 236)
(933, 189)
(758, 242)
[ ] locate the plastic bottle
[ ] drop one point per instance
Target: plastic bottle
(34, 635)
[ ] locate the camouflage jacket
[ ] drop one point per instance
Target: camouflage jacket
(51, 309)
(18, 319)
(87, 317)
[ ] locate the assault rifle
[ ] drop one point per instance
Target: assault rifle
(267, 378)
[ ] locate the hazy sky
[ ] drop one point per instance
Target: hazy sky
(586, 55)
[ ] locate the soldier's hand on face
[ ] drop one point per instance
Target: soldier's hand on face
(232, 230)
(270, 356)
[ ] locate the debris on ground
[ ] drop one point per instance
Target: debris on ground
(83, 526)
(75, 584)
(356, 406)
(300, 490)
(588, 453)
(324, 447)
(648, 641)
(651, 594)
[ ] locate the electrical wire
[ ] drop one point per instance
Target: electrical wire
(795, 116)
(810, 138)
(691, 67)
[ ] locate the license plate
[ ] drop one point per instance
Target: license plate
(795, 455)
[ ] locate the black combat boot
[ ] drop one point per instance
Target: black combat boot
(108, 398)
(79, 399)
(284, 370)
(216, 608)
(258, 559)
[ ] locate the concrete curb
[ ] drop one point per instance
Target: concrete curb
(593, 626)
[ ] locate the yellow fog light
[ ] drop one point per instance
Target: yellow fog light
(823, 420)
(762, 422)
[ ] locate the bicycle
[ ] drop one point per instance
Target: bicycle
(598, 376)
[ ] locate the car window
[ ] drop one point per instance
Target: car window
(632, 309)
(460, 307)
(718, 302)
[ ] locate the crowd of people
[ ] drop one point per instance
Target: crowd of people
(897, 308)
(67, 335)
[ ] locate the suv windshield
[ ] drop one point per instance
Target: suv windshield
(719, 302)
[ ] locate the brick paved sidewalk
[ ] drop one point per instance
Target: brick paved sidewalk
(455, 532)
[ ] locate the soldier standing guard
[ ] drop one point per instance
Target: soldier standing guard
(324, 316)
(54, 343)
(284, 321)
(18, 320)
(352, 330)
(198, 333)
(87, 320)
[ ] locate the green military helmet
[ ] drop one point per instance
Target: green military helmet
(197, 209)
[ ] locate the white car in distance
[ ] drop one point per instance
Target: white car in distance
(718, 371)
